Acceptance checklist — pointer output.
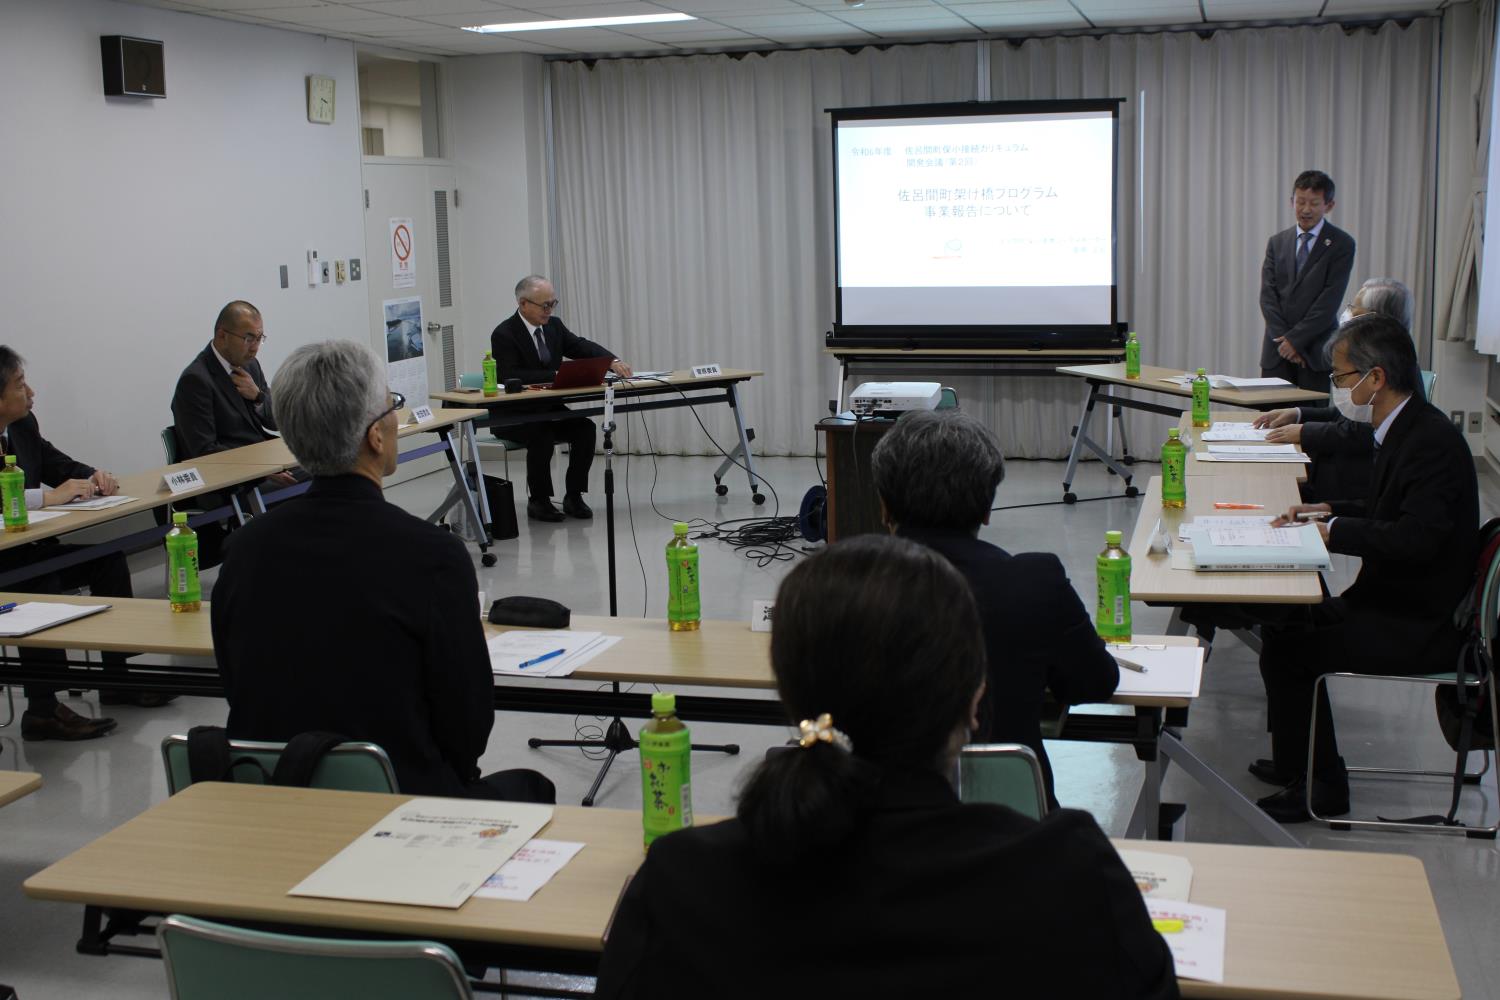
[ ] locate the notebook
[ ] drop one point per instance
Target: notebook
(34, 616)
(1259, 550)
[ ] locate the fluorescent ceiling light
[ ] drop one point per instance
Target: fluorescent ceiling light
(580, 22)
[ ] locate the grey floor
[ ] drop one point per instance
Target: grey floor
(92, 787)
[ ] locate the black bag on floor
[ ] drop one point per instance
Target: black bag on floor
(501, 496)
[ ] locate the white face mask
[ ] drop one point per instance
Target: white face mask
(1343, 401)
(1346, 315)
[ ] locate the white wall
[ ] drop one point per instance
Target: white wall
(129, 222)
(498, 152)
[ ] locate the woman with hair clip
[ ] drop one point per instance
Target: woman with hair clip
(851, 868)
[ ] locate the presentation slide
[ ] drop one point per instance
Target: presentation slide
(985, 220)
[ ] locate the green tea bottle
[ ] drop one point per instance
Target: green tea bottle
(1174, 471)
(1200, 399)
(683, 607)
(1112, 570)
(666, 764)
(183, 589)
(491, 378)
(13, 495)
(1132, 357)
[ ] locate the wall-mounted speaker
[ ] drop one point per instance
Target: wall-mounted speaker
(133, 67)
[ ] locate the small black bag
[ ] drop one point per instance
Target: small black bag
(530, 612)
(500, 494)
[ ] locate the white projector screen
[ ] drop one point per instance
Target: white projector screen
(978, 221)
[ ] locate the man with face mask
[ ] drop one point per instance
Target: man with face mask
(1416, 535)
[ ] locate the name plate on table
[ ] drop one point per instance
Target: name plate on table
(705, 371)
(760, 615)
(421, 415)
(182, 482)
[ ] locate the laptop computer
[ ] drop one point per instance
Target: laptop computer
(580, 373)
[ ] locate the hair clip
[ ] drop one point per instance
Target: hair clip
(822, 731)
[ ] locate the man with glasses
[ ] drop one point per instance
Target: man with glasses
(340, 612)
(529, 346)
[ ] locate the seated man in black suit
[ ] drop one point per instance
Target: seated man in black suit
(1416, 535)
(45, 717)
(936, 474)
(340, 612)
(529, 346)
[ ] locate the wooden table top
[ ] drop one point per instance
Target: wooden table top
(1151, 380)
(131, 625)
(17, 784)
(275, 451)
(1152, 577)
(918, 353)
(149, 492)
(681, 379)
(1301, 923)
(1276, 470)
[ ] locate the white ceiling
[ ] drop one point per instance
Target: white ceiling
(434, 26)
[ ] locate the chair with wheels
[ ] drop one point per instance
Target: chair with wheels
(1479, 616)
(212, 961)
(1006, 774)
(349, 767)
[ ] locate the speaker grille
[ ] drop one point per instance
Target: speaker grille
(445, 273)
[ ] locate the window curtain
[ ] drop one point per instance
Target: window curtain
(694, 199)
(1466, 102)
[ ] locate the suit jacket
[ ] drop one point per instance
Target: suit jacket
(515, 351)
(338, 611)
(1304, 308)
(1037, 635)
(1343, 455)
(210, 414)
(1417, 537)
(929, 897)
(40, 459)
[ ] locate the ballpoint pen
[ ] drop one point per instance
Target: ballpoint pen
(1128, 664)
(539, 659)
(7, 608)
(1227, 505)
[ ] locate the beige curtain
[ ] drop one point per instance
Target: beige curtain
(1468, 80)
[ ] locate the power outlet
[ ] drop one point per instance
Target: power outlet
(1476, 422)
(1457, 416)
(353, 268)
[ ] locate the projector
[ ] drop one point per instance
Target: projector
(894, 398)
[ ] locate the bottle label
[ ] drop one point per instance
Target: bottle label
(666, 793)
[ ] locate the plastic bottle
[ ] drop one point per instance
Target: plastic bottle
(491, 377)
(183, 589)
(1112, 571)
(1132, 357)
(1200, 399)
(683, 606)
(666, 770)
(1174, 471)
(13, 495)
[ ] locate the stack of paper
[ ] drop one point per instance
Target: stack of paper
(1233, 382)
(1261, 550)
(1253, 453)
(34, 616)
(1167, 671)
(98, 503)
(545, 653)
(1209, 521)
(1225, 430)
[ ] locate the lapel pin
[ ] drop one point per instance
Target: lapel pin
(1327, 241)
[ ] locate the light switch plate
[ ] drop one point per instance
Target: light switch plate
(353, 268)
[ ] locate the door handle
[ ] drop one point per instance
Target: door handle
(434, 328)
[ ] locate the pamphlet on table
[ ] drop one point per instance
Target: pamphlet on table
(35, 616)
(545, 652)
(1195, 934)
(529, 869)
(1159, 876)
(1164, 671)
(1225, 430)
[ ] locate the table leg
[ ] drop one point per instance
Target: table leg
(1145, 820)
(1268, 829)
(481, 494)
(466, 495)
(756, 496)
(1080, 434)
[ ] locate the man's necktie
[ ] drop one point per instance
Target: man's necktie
(541, 348)
(1305, 241)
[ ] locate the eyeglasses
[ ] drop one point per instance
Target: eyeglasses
(549, 305)
(250, 339)
(397, 402)
(1334, 377)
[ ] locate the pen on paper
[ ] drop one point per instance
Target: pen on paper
(540, 659)
(1129, 664)
(7, 608)
(1227, 505)
(1312, 515)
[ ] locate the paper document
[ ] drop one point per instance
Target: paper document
(1280, 538)
(1262, 454)
(545, 652)
(531, 868)
(98, 503)
(1250, 449)
(1159, 876)
(1197, 949)
(38, 516)
(1224, 430)
(1232, 382)
(1170, 672)
(428, 852)
(1212, 521)
(34, 616)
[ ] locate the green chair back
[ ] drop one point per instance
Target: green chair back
(349, 767)
(949, 399)
(471, 380)
(210, 961)
(1006, 774)
(1429, 379)
(169, 443)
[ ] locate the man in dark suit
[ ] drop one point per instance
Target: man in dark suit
(1416, 536)
(45, 717)
(936, 475)
(529, 346)
(379, 637)
(1302, 284)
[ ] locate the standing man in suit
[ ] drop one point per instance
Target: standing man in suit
(1417, 538)
(379, 638)
(936, 475)
(529, 346)
(1302, 284)
(222, 399)
(53, 478)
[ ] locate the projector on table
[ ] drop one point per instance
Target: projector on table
(894, 398)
